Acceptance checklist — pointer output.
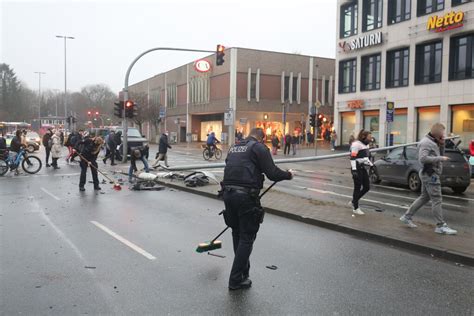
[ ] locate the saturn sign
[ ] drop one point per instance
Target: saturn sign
(202, 65)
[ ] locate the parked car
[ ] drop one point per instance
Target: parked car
(33, 141)
(401, 166)
(135, 139)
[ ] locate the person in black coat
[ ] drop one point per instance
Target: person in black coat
(162, 154)
(111, 146)
(89, 149)
(47, 145)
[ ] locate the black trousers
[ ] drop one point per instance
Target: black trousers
(84, 166)
(241, 218)
(48, 151)
(361, 186)
(110, 153)
(287, 148)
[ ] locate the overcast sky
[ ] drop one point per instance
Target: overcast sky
(110, 34)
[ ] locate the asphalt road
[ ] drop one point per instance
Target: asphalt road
(65, 253)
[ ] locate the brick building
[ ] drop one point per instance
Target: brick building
(251, 89)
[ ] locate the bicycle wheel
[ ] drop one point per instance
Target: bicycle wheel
(31, 164)
(206, 154)
(218, 154)
(3, 167)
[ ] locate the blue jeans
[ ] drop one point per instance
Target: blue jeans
(133, 166)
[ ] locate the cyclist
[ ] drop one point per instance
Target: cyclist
(15, 146)
(211, 142)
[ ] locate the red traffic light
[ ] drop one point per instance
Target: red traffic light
(220, 48)
(89, 113)
(129, 104)
(96, 112)
(320, 116)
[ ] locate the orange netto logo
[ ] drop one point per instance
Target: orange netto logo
(449, 21)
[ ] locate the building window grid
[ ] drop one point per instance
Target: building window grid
(372, 15)
(429, 6)
(428, 63)
(398, 11)
(459, 2)
(349, 19)
(172, 95)
(347, 76)
(370, 72)
(397, 68)
(461, 59)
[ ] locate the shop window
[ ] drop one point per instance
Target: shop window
(253, 86)
(348, 20)
(463, 123)
(426, 118)
(347, 76)
(411, 153)
(370, 72)
(397, 68)
(399, 128)
(398, 11)
(371, 14)
(428, 61)
(461, 57)
(371, 123)
(459, 2)
(347, 127)
(429, 6)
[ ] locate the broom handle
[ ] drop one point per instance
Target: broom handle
(220, 234)
(97, 169)
(261, 195)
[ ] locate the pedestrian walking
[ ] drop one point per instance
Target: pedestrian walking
(360, 159)
(275, 144)
(138, 153)
(56, 149)
(111, 147)
(243, 179)
(75, 141)
(89, 149)
(118, 142)
(61, 137)
(162, 154)
(333, 139)
(294, 143)
(431, 156)
(47, 145)
(287, 140)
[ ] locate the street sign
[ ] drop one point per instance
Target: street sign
(390, 111)
(202, 65)
(228, 118)
(162, 112)
(317, 104)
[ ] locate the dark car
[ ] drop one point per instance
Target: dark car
(135, 139)
(401, 166)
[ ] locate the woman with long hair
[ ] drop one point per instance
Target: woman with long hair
(360, 158)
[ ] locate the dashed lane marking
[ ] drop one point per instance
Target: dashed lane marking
(50, 194)
(125, 241)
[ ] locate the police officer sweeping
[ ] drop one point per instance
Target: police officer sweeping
(243, 179)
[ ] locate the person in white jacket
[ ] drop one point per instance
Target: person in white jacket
(360, 159)
(56, 149)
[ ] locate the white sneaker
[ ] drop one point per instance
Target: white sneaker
(445, 230)
(408, 222)
(358, 211)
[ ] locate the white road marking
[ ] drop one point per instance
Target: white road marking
(50, 194)
(124, 241)
(67, 174)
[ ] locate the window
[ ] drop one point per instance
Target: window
(398, 11)
(172, 95)
(458, 2)
(348, 24)
(461, 57)
(411, 153)
(347, 76)
(397, 68)
(326, 92)
(287, 88)
(428, 63)
(429, 6)
(370, 72)
(253, 86)
(199, 90)
(372, 15)
(294, 93)
(395, 154)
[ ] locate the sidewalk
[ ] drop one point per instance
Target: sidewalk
(375, 226)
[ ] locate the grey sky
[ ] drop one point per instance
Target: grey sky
(110, 34)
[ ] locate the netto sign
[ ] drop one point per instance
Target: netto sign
(362, 42)
(449, 21)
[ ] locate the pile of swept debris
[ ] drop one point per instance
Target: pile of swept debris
(146, 181)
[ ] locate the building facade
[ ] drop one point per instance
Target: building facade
(253, 88)
(418, 54)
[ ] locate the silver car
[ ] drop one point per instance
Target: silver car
(401, 166)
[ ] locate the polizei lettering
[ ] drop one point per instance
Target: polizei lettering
(238, 149)
(366, 41)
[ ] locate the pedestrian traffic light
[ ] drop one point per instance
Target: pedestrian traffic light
(118, 109)
(220, 55)
(129, 108)
(312, 119)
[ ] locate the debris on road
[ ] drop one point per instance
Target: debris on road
(272, 267)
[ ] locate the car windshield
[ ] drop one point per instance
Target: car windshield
(132, 132)
(455, 156)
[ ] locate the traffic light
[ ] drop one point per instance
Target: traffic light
(312, 119)
(89, 113)
(118, 109)
(129, 108)
(220, 55)
(321, 119)
(96, 113)
(74, 121)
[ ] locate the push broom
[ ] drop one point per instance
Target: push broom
(116, 187)
(217, 244)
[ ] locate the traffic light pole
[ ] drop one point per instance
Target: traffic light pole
(125, 88)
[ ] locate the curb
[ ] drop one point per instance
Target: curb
(386, 240)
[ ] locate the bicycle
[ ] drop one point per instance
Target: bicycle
(211, 151)
(30, 164)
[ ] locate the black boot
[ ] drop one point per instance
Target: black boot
(245, 284)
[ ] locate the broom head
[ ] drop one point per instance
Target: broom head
(208, 246)
(117, 187)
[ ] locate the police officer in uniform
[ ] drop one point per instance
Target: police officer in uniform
(243, 179)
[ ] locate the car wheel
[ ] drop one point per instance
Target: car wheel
(374, 177)
(414, 182)
(459, 190)
(31, 149)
